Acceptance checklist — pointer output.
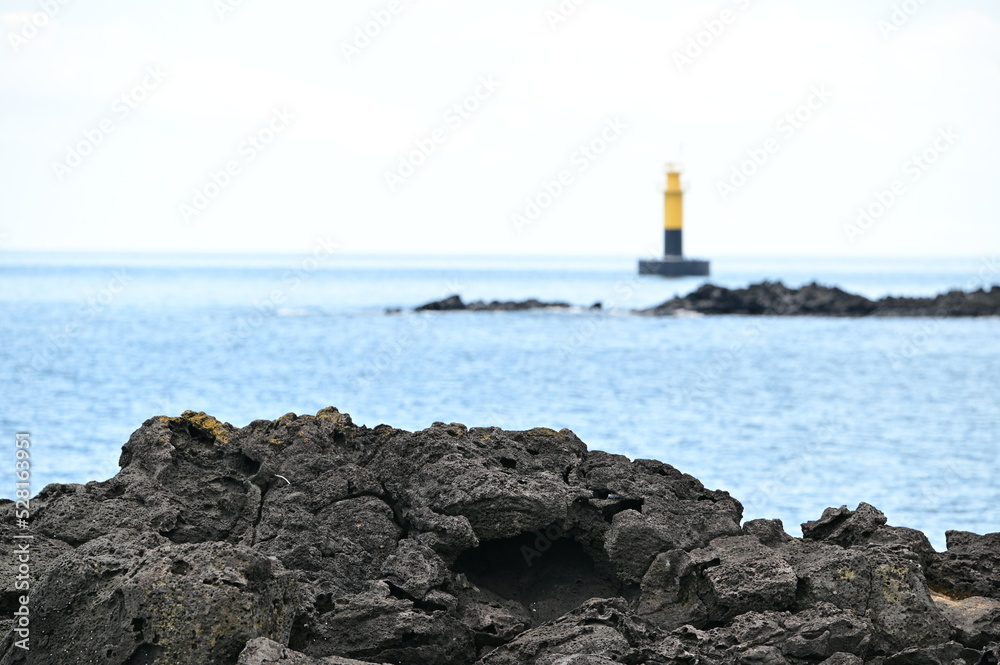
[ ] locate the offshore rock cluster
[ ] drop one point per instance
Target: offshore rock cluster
(774, 299)
(456, 304)
(308, 540)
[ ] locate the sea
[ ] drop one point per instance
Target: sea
(789, 415)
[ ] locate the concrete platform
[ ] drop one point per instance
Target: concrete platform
(675, 266)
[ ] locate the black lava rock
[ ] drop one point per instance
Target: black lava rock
(455, 304)
(776, 299)
(310, 541)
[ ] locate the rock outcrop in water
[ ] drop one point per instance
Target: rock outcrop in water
(775, 299)
(455, 304)
(309, 540)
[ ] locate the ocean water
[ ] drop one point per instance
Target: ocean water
(789, 415)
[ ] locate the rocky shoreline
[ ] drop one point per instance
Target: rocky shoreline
(311, 541)
(776, 299)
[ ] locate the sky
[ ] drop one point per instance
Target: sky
(852, 128)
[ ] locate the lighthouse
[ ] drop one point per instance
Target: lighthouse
(673, 263)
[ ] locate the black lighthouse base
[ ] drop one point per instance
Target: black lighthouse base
(675, 266)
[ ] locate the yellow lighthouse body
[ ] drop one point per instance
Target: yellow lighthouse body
(673, 263)
(673, 205)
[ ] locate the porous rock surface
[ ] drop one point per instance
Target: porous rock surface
(310, 541)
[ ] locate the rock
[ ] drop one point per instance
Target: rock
(970, 566)
(515, 306)
(772, 637)
(841, 658)
(881, 574)
(771, 299)
(900, 604)
(484, 475)
(669, 592)
(262, 651)
(768, 532)
(448, 535)
(493, 620)
(951, 653)
(414, 569)
(776, 299)
(655, 509)
(36, 554)
(867, 526)
(183, 478)
(830, 574)
(844, 527)
(449, 304)
(308, 539)
(733, 575)
(738, 574)
(130, 598)
(376, 625)
(599, 631)
(975, 620)
(455, 304)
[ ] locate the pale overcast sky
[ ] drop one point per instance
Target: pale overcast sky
(120, 120)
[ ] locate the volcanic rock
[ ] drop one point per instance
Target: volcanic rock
(975, 620)
(455, 303)
(771, 299)
(776, 299)
(969, 567)
(308, 540)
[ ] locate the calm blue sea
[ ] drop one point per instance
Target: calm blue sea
(789, 415)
